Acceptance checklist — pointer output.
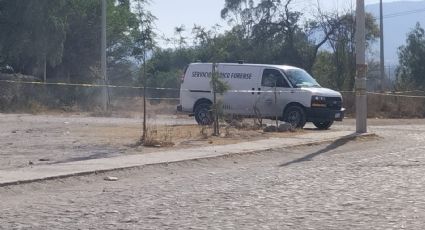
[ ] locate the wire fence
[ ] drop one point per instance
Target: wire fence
(36, 96)
(123, 101)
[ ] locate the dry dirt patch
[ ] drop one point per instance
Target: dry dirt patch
(184, 136)
(28, 140)
(174, 136)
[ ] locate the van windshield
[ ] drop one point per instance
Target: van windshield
(300, 78)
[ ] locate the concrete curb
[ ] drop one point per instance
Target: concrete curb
(89, 167)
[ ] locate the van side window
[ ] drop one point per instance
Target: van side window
(273, 78)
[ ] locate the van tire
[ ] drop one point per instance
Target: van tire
(295, 115)
(323, 125)
(203, 114)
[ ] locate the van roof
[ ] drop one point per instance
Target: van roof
(284, 67)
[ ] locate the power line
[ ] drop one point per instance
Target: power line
(404, 13)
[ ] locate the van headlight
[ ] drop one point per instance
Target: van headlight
(318, 101)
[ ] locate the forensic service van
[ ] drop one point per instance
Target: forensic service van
(284, 92)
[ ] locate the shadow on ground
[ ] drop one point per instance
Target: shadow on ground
(334, 145)
(95, 155)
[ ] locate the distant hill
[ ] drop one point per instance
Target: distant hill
(399, 19)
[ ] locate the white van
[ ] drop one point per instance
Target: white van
(268, 91)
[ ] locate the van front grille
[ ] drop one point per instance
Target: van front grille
(334, 103)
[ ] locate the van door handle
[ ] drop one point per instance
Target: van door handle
(259, 91)
(253, 91)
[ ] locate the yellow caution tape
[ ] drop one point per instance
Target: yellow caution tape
(83, 85)
(393, 94)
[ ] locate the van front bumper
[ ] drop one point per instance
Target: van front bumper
(324, 114)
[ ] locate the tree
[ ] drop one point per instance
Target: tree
(275, 32)
(218, 87)
(342, 69)
(83, 34)
(181, 40)
(165, 68)
(33, 34)
(63, 36)
(59, 40)
(324, 71)
(411, 67)
(144, 43)
(122, 27)
(81, 58)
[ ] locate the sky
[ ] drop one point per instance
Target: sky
(172, 13)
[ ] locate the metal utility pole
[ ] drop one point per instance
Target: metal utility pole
(382, 62)
(105, 96)
(361, 67)
(145, 129)
(45, 68)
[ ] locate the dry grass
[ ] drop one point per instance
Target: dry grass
(384, 106)
(99, 112)
(187, 135)
(156, 137)
(128, 107)
(177, 136)
(35, 107)
(108, 135)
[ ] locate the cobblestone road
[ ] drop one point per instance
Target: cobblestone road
(351, 184)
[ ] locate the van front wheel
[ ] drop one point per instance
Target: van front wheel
(203, 115)
(295, 116)
(323, 125)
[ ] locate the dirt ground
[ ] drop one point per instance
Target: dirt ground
(28, 140)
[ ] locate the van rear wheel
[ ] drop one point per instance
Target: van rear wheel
(203, 114)
(295, 116)
(323, 125)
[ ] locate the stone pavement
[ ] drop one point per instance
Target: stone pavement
(62, 170)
